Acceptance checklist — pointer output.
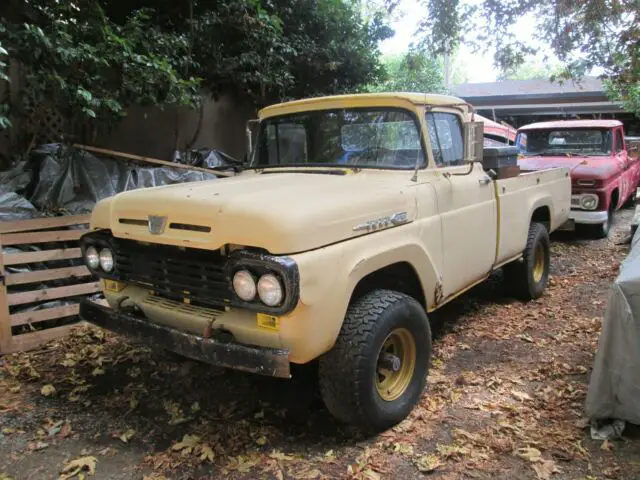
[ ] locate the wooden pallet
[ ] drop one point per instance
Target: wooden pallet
(40, 231)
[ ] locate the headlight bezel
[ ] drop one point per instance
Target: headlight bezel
(284, 269)
(99, 240)
(589, 197)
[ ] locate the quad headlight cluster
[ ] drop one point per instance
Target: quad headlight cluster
(268, 288)
(102, 258)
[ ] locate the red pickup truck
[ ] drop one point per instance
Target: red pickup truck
(603, 176)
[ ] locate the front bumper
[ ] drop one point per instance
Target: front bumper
(264, 361)
(588, 217)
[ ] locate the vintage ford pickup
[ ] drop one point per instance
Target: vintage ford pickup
(354, 218)
(604, 177)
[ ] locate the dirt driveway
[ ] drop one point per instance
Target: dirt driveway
(505, 400)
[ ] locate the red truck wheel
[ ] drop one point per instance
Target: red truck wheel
(602, 229)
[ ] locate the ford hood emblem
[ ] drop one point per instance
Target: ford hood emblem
(157, 224)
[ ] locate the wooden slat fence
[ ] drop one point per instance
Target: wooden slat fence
(56, 237)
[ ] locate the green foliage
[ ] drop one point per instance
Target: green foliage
(333, 49)
(412, 72)
(583, 35)
(533, 70)
(92, 59)
(629, 95)
(77, 59)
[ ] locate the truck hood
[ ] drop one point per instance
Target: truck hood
(581, 167)
(282, 213)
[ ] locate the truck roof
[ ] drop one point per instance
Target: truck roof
(495, 128)
(572, 124)
(358, 100)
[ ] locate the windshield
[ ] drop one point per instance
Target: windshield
(565, 142)
(374, 138)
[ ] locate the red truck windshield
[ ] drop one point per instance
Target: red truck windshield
(565, 142)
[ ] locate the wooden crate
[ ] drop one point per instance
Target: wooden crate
(34, 232)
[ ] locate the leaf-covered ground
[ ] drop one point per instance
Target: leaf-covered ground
(505, 400)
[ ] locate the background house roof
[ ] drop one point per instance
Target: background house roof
(527, 87)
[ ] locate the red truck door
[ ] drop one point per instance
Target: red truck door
(630, 169)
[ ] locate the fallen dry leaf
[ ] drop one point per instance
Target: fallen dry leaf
(427, 463)
(369, 474)
(78, 466)
(108, 451)
(276, 455)
(48, 390)
(522, 396)
(529, 453)
(206, 453)
(545, 468)
(126, 436)
(606, 446)
(187, 444)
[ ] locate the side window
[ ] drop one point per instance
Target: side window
(619, 141)
(445, 133)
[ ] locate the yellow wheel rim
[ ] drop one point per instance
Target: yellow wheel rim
(538, 265)
(391, 383)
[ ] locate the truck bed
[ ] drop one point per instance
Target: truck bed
(546, 193)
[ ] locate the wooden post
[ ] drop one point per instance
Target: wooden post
(5, 325)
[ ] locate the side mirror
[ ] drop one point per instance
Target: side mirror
(250, 132)
(473, 141)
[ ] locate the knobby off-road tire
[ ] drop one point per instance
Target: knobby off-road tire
(351, 384)
(528, 277)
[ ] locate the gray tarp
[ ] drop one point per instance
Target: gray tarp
(614, 389)
(60, 180)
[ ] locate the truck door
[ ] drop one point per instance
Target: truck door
(628, 171)
(466, 204)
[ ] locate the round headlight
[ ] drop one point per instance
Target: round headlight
(106, 259)
(92, 258)
(270, 290)
(244, 285)
(589, 202)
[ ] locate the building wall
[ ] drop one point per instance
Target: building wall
(148, 131)
(158, 132)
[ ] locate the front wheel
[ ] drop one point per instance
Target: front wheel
(528, 276)
(375, 373)
(602, 230)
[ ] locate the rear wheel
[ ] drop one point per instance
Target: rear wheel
(527, 277)
(376, 371)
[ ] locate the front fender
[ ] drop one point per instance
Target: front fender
(328, 277)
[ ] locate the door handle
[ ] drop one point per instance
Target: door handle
(484, 181)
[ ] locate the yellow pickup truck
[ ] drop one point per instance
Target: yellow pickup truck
(354, 217)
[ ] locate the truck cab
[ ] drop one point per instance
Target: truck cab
(603, 174)
(353, 219)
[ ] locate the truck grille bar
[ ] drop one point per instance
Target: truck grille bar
(173, 272)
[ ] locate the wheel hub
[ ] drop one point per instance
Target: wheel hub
(538, 265)
(396, 364)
